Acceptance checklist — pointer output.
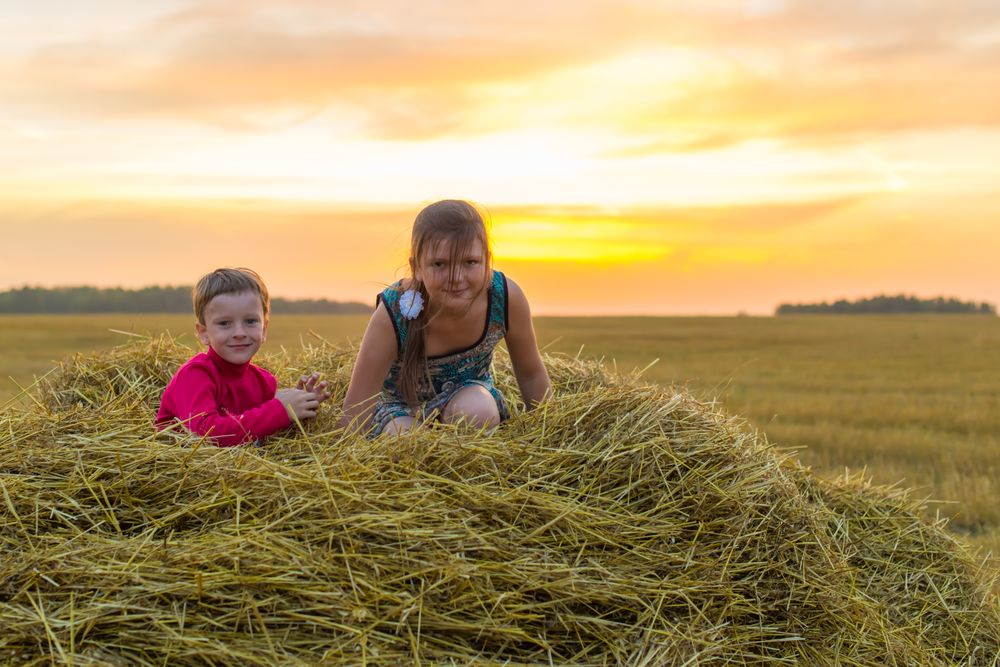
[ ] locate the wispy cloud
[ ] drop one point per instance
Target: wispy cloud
(826, 101)
(799, 71)
(398, 64)
(733, 221)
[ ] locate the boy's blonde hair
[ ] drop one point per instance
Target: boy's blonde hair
(228, 281)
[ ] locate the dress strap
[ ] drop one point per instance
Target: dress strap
(390, 297)
(499, 313)
(498, 316)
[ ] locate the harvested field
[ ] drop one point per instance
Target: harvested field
(623, 524)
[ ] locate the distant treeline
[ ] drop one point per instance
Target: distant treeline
(890, 304)
(146, 300)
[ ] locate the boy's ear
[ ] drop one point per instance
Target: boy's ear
(202, 332)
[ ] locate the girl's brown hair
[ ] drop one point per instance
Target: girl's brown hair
(458, 223)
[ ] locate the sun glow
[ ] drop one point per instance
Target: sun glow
(565, 239)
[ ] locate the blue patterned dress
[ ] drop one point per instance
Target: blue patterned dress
(448, 372)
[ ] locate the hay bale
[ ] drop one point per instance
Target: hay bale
(622, 524)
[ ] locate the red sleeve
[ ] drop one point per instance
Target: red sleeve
(195, 405)
(270, 382)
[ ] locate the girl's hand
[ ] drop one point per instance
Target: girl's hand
(298, 402)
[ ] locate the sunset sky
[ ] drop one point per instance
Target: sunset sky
(635, 156)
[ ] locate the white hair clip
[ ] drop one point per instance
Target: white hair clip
(411, 303)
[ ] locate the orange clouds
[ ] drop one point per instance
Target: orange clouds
(239, 59)
(417, 70)
(829, 102)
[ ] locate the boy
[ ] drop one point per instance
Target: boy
(219, 393)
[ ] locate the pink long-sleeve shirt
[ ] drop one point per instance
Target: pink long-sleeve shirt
(233, 404)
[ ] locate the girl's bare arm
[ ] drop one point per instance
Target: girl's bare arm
(532, 378)
(378, 349)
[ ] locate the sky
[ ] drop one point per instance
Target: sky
(647, 157)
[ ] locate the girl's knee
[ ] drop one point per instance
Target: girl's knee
(400, 425)
(474, 404)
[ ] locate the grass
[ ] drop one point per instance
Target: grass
(913, 400)
(624, 523)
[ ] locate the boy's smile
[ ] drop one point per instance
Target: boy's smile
(234, 326)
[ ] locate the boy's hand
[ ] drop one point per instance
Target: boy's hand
(298, 402)
(315, 385)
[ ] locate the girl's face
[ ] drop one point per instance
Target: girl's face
(452, 287)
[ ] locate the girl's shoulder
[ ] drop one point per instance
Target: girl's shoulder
(396, 288)
(389, 298)
(513, 290)
(390, 295)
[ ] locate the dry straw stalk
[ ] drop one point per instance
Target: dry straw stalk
(621, 524)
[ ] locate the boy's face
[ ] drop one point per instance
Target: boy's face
(234, 326)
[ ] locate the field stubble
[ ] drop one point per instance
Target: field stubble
(913, 400)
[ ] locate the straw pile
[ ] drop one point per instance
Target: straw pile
(624, 524)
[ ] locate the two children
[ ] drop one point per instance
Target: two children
(426, 354)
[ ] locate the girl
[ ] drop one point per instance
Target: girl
(427, 350)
